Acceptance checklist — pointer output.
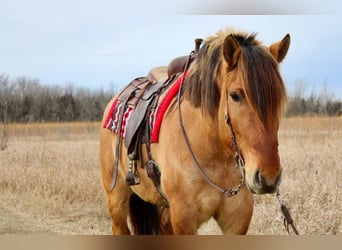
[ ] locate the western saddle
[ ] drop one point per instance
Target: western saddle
(142, 95)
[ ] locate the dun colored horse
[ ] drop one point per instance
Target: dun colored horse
(217, 144)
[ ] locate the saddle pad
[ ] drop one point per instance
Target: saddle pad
(163, 106)
(156, 117)
(112, 120)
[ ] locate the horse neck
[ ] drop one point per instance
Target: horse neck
(202, 130)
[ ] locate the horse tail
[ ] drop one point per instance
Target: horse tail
(145, 217)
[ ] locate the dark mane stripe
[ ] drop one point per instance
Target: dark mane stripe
(262, 82)
(200, 85)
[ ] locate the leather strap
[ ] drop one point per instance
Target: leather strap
(151, 165)
(118, 142)
(238, 158)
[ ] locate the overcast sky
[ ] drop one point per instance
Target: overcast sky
(99, 43)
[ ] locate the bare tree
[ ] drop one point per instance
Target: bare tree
(3, 136)
(4, 82)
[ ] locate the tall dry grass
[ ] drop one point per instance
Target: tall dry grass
(50, 180)
(50, 174)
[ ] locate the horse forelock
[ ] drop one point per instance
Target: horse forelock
(261, 80)
(262, 83)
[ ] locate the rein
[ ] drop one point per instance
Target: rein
(237, 155)
(239, 162)
(288, 221)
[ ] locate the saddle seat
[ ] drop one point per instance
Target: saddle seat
(158, 74)
(177, 65)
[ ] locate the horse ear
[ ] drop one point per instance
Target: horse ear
(231, 51)
(279, 49)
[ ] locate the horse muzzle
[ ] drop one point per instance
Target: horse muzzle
(261, 185)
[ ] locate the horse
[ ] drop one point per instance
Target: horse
(217, 146)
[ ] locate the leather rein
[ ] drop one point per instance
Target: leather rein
(239, 162)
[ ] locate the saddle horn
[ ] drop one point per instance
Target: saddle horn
(177, 65)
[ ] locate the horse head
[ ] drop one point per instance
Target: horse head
(235, 75)
(254, 100)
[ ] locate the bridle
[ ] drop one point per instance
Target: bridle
(239, 162)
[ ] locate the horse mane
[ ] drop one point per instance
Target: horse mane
(262, 83)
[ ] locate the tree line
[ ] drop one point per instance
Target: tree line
(313, 105)
(27, 100)
(323, 103)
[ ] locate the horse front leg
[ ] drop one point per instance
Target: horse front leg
(183, 218)
(235, 214)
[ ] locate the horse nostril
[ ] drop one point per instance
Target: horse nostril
(258, 179)
(261, 184)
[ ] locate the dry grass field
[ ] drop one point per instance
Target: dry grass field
(50, 180)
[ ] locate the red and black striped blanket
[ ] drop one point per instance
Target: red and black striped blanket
(155, 118)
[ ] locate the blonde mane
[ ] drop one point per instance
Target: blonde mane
(261, 80)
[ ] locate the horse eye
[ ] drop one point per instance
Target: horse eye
(235, 96)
